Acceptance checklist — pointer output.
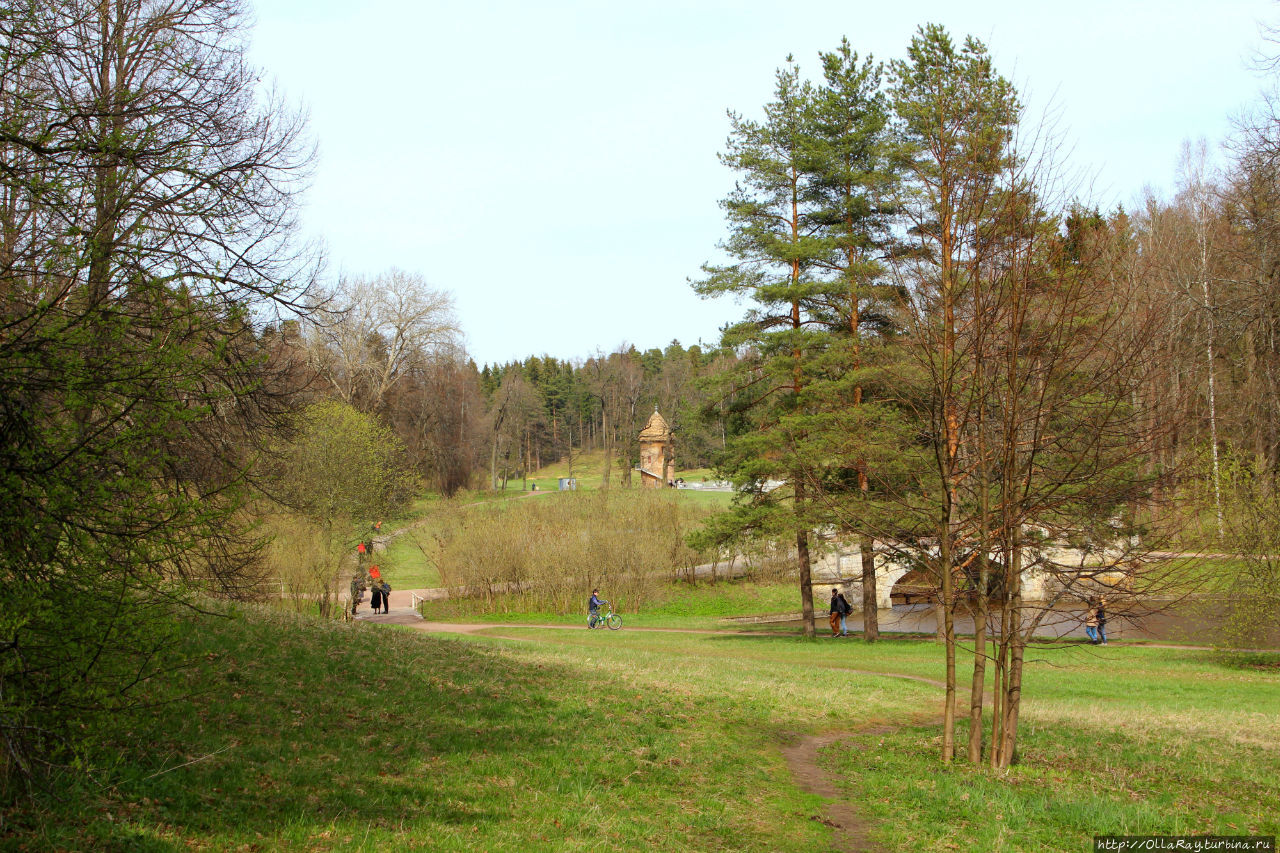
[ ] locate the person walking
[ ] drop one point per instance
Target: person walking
(836, 617)
(1091, 621)
(1101, 614)
(845, 609)
(375, 597)
(357, 591)
(386, 596)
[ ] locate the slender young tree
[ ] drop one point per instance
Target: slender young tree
(958, 116)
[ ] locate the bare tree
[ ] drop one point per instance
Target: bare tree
(514, 406)
(376, 330)
(439, 415)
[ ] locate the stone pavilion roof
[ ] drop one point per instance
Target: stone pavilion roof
(656, 429)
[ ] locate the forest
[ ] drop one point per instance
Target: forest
(945, 342)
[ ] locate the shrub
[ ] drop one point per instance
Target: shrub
(547, 553)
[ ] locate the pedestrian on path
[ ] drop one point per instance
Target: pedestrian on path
(1091, 621)
(357, 591)
(840, 610)
(386, 596)
(375, 597)
(1102, 620)
(845, 609)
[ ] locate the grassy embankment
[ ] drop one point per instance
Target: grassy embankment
(296, 734)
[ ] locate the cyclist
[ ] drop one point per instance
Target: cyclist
(593, 608)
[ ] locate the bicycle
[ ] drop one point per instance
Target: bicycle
(607, 619)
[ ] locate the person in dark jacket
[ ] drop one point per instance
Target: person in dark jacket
(375, 598)
(840, 611)
(386, 596)
(357, 591)
(1102, 620)
(593, 608)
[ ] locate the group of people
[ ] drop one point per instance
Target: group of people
(1095, 621)
(380, 600)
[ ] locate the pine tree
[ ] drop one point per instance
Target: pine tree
(775, 244)
(857, 168)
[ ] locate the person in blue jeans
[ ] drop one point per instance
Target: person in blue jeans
(593, 608)
(840, 608)
(1102, 620)
(1091, 621)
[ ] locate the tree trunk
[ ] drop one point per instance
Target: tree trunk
(806, 581)
(949, 638)
(608, 448)
(979, 675)
(870, 605)
(493, 464)
(1016, 650)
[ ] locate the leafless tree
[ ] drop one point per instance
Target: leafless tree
(374, 331)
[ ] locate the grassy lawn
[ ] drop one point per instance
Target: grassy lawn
(336, 737)
(717, 500)
(405, 566)
(1132, 742)
(290, 733)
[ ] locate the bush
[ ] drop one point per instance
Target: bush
(547, 554)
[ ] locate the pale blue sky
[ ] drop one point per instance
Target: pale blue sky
(553, 164)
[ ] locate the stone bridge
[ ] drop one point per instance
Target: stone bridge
(842, 567)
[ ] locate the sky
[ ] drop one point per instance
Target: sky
(553, 164)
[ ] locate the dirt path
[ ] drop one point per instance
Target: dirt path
(850, 829)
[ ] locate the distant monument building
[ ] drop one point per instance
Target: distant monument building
(657, 453)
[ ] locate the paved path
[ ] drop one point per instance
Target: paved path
(407, 616)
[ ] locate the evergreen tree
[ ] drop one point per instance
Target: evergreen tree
(857, 168)
(776, 245)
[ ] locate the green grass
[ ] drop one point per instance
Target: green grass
(588, 468)
(289, 733)
(1132, 742)
(405, 566)
(719, 500)
(302, 735)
